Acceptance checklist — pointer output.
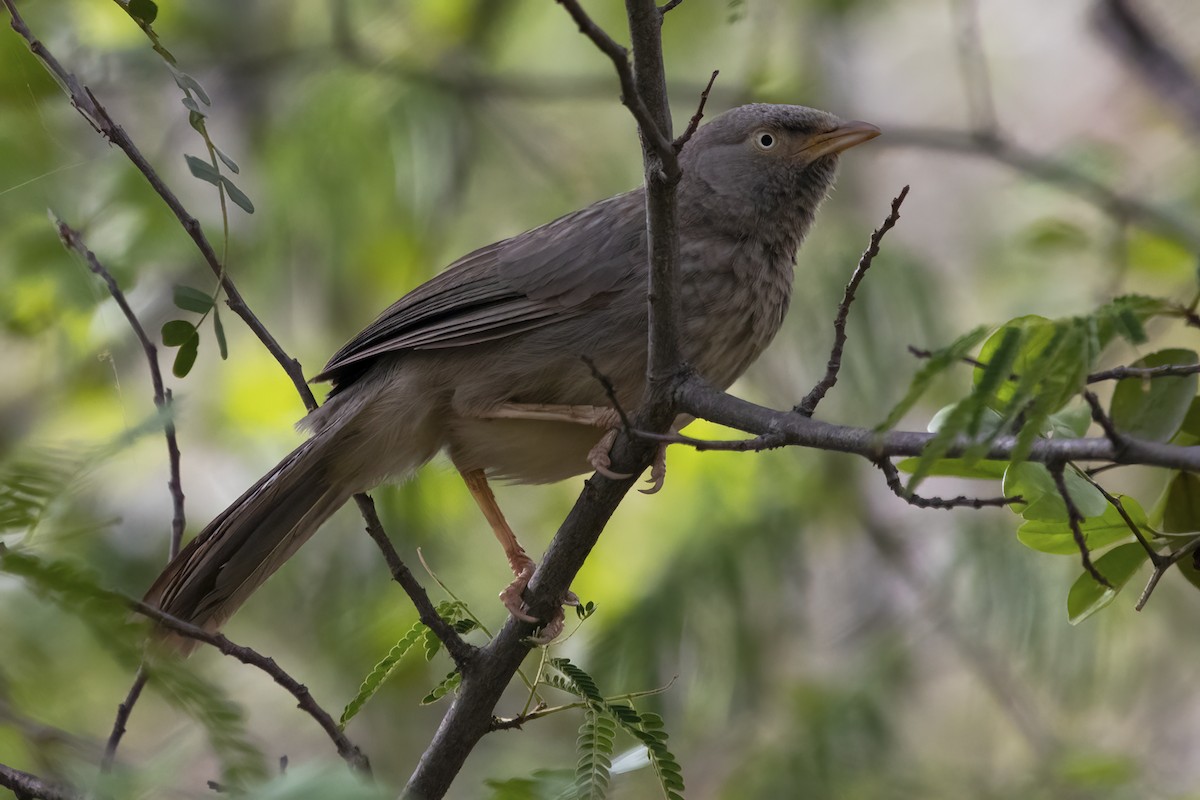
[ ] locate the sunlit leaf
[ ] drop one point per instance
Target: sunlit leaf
(1117, 566)
(1039, 493)
(1049, 536)
(381, 672)
(957, 468)
(1155, 408)
(445, 686)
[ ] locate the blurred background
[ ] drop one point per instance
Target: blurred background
(824, 639)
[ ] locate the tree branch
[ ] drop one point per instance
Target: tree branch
(809, 404)
(994, 146)
(1133, 38)
(27, 786)
(705, 402)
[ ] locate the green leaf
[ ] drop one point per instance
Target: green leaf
(144, 10)
(190, 299)
(1126, 317)
(1118, 566)
(958, 468)
(192, 106)
(1055, 537)
(1179, 507)
(190, 85)
(203, 169)
(1041, 500)
(940, 361)
(219, 330)
(444, 687)
(1050, 235)
(1155, 408)
(595, 749)
(229, 162)
(1071, 423)
(237, 195)
(381, 672)
(185, 357)
(177, 332)
(1189, 431)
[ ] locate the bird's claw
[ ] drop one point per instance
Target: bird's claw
(600, 460)
(658, 471)
(513, 600)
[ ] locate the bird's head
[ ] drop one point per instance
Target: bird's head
(766, 165)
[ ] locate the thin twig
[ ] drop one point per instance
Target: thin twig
(1156, 558)
(345, 748)
(98, 117)
(694, 122)
(973, 68)
(162, 396)
(630, 97)
(1160, 569)
(1105, 423)
(464, 654)
(123, 712)
(809, 404)
(1074, 518)
(609, 391)
(667, 6)
(1146, 373)
(892, 476)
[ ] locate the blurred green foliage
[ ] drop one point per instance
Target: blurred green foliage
(824, 639)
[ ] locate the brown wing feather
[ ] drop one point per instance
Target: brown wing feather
(528, 281)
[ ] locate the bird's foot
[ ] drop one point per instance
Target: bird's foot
(513, 600)
(600, 457)
(601, 460)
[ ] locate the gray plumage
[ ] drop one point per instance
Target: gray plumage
(510, 322)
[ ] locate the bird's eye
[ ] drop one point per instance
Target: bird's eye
(765, 140)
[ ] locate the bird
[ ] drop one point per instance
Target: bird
(491, 361)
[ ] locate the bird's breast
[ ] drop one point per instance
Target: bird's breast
(735, 296)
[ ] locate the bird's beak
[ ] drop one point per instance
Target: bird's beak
(847, 135)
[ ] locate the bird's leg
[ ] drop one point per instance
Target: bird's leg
(520, 562)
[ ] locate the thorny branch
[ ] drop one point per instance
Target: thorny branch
(809, 404)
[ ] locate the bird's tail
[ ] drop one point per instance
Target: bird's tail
(211, 577)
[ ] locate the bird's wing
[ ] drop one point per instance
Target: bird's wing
(549, 273)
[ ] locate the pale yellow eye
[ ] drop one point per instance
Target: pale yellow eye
(765, 140)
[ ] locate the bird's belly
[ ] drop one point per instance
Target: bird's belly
(521, 451)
